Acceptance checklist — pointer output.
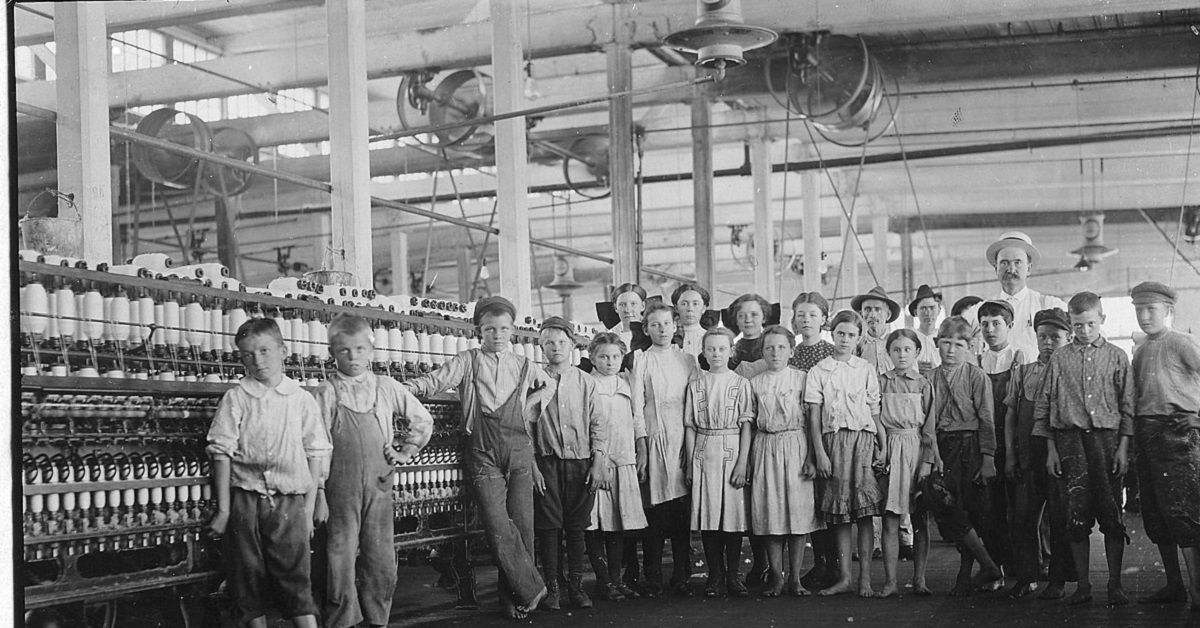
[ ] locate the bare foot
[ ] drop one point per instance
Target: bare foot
(920, 589)
(1166, 595)
(988, 580)
(1082, 595)
(797, 589)
(888, 590)
(839, 587)
(1054, 591)
(866, 592)
(1116, 596)
(774, 585)
(1021, 589)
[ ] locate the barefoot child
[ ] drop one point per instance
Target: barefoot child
(358, 408)
(1025, 467)
(659, 381)
(719, 417)
(500, 393)
(570, 441)
(847, 440)
(1085, 413)
(1167, 436)
(810, 311)
(269, 453)
(906, 402)
(618, 508)
(966, 443)
(782, 501)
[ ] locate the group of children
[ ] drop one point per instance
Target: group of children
(761, 433)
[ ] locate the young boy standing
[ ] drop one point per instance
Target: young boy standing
(1085, 413)
(570, 439)
(358, 408)
(1166, 370)
(966, 441)
(1000, 361)
(269, 452)
(500, 393)
(1025, 468)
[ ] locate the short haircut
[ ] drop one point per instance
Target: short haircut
(717, 331)
(347, 325)
(258, 327)
(847, 316)
(655, 307)
(903, 333)
(1085, 302)
(690, 287)
(606, 338)
(780, 330)
(814, 298)
(992, 308)
(628, 287)
(956, 328)
(737, 304)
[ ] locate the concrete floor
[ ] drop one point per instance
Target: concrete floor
(419, 603)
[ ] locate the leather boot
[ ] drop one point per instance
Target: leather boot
(576, 596)
(550, 602)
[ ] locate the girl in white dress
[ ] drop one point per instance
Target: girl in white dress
(782, 495)
(719, 417)
(617, 509)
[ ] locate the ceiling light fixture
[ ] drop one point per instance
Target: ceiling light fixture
(720, 36)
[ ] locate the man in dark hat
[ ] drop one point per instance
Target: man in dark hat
(1166, 368)
(500, 393)
(926, 307)
(1013, 256)
(878, 310)
(570, 436)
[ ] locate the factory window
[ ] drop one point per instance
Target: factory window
(184, 52)
(208, 110)
(138, 50)
(24, 64)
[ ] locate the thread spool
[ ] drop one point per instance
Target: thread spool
(155, 262)
(119, 313)
(437, 344)
(171, 322)
(463, 343)
(81, 327)
(35, 309)
(317, 335)
(66, 312)
(285, 285)
(148, 314)
(195, 323)
(303, 347)
(130, 270)
(216, 325)
(381, 341)
(236, 317)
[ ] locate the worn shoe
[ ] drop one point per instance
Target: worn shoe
(712, 588)
(736, 587)
(550, 602)
(629, 592)
(610, 593)
(576, 596)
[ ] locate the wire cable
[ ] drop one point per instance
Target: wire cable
(1187, 172)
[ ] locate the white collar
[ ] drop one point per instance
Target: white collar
(257, 389)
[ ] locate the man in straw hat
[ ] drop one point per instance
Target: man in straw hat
(1013, 256)
(878, 310)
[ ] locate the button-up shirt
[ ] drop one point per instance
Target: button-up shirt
(1025, 304)
(929, 351)
(963, 399)
(873, 349)
(269, 435)
(994, 362)
(381, 395)
(571, 425)
(1087, 386)
(485, 391)
(848, 393)
(692, 339)
(1166, 370)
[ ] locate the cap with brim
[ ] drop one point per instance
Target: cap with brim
(1054, 316)
(964, 304)
(1013, 239)
(924, 292)
(876, 294)
(1153, 292)
(493, 305)
(558, 322)
(1004, 305)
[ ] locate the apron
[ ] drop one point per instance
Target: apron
(902, 415)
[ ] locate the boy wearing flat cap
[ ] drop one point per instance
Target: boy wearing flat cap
(570, 438)
(500, 393)
(1166, 369)
(1025, 468)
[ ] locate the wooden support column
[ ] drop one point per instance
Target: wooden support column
(702, 188)
(227, 246)
(620, 136)
(399, 253)
(764, 234)
(349, 157)
(82, 54)
(879, 235)
(466, 275)
(849, 263)
(810, 188)
(512, 175)
(322, 225)
(906, 268)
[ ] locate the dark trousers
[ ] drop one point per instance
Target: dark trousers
(1093, 493)
(1030, 495)
(1169, 475)
(566, 507)
(269, 554)
(957, 502)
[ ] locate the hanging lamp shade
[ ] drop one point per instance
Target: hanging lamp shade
(720, 36)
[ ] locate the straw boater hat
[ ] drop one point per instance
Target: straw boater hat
(876, 294)
(1013, 238)
(924, 292)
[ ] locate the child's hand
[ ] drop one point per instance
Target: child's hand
(396, 458)
(738, 478)
(598, 477)
(539, 482)
(687, 474)
(938, 464)
(1053, 466)
(824, 467)
(923, 470)
(808, 471)
(643, 464)
(987, 470)
(1120, 461)
(320, 510)
(216, 527)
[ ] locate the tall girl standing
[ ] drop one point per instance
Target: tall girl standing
(782, 502)
(719, 418)
(848, 440)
